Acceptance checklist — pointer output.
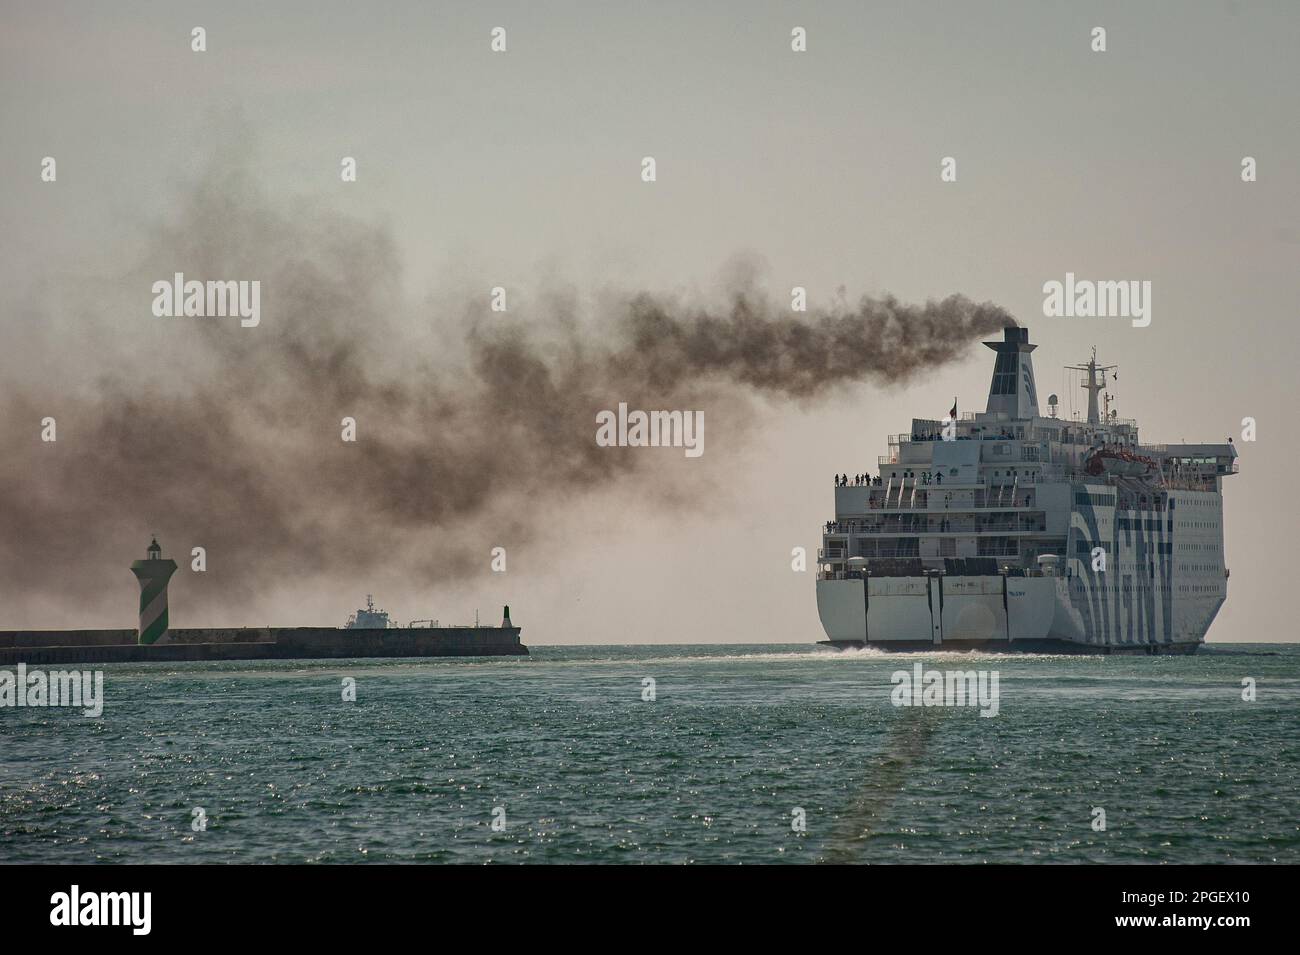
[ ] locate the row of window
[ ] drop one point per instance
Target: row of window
(1086, 498)
(1139, 524)
(1082, 546)
(1143, 588)
(1122, 588)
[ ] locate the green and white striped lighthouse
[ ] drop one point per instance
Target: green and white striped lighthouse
(153, 574)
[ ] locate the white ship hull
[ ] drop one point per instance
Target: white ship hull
(1025, 614)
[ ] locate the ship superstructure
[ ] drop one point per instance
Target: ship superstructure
(1008, 529)
(369, 618)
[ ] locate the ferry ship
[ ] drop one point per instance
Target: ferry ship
(1011, 530)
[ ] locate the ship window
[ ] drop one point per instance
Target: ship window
(1004, 374)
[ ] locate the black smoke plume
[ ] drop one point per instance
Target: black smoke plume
(472, 426)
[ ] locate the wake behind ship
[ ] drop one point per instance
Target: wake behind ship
(1008, 530)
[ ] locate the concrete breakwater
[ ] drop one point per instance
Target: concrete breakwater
(256, 643)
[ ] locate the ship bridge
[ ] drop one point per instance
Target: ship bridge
(1004, 485)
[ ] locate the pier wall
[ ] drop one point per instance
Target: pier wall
(256, 643)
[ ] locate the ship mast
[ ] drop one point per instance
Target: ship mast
(1093, 385)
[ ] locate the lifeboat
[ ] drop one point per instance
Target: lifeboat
(1121, 463)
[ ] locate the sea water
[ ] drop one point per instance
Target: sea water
(664, 754)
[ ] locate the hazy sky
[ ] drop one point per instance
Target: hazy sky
(522, 169)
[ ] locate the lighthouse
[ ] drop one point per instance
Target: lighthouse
(153, 573)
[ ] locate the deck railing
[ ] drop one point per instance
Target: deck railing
(938, 527)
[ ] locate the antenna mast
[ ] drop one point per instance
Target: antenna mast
(1094, 385)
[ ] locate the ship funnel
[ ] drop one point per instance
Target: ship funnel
(153, 573)
(1012, 391)
(505, 622)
